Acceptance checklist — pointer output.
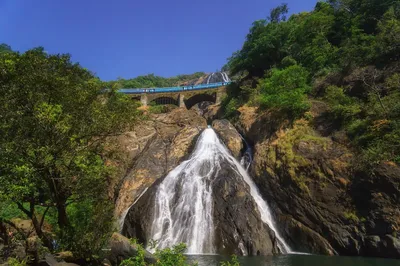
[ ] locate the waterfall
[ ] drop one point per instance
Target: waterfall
(183, 203)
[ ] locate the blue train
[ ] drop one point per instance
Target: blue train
(174, 89)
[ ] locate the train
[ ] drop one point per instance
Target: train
(174, 89)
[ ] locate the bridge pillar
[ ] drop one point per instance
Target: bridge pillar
(181, 100)
(143, 99)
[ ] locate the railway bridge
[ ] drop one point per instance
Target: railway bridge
(182, 96)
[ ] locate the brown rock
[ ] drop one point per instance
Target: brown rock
(153, 149)
(122, 248)
(229, 135)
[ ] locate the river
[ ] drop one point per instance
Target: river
(295, 260)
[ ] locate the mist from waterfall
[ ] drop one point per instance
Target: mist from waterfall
(184, 202)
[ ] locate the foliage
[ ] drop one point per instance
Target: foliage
(230, 106)
(4, 48)
(352, 216)
(234, 262)
(16, 262)
(91, 224)
(152, 81)
(343, 107)
(55, 117)
(279, 13)
(285, 90)
(356, 41)
(166, 257)
(171, 256)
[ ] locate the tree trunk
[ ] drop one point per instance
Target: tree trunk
(3, 232)
(62, 215)
(39, 232)
(35, 222)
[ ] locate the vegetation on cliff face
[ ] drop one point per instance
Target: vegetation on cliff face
(347, 51)
(54, 117)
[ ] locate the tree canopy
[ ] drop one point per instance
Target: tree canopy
(351, 46)
(55, 116)
(153, 81)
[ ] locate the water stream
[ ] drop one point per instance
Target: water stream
(183, 204)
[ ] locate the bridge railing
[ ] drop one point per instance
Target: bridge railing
(173, 89)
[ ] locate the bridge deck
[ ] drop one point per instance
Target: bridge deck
(174, 89)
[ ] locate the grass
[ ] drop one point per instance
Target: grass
(353, 217)
(282, 154)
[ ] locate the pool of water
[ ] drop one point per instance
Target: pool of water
(295, 260)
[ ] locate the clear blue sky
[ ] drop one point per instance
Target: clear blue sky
(128, 38)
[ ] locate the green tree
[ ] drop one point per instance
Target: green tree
(4, 48)
(278, 13)
(388, 39)
(55, 117)
(285, 90)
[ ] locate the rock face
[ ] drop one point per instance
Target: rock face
(321, 204)
(229, 136)
(208, 110)
(238, 227)
(154, 148)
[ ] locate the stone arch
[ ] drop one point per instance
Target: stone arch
(136, 98)
(198, 98)
(163, 100)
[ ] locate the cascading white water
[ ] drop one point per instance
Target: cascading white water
(183, 203)
(209, 77)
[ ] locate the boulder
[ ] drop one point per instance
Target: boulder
(121, 248)
(229, 135)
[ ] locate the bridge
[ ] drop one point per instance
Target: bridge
(182, 96)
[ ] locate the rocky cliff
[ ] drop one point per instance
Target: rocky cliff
(238, 227)
(321, 202)
(155, 147)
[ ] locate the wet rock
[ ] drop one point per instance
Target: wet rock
(372, 245)
(229, 135)
(304, 239)
(153, 149)
(391, 246)
(237, 221)
(309, 177)
(238, 225)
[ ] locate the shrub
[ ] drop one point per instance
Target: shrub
(91, 225)
(343, 107)
(230, 106)
(16, 262)
(285, 90)
(167, 257)
(234, 262)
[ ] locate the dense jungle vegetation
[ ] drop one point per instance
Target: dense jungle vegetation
(344, 53)
(152, 81)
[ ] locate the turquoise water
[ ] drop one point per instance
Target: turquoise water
(296, 260)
